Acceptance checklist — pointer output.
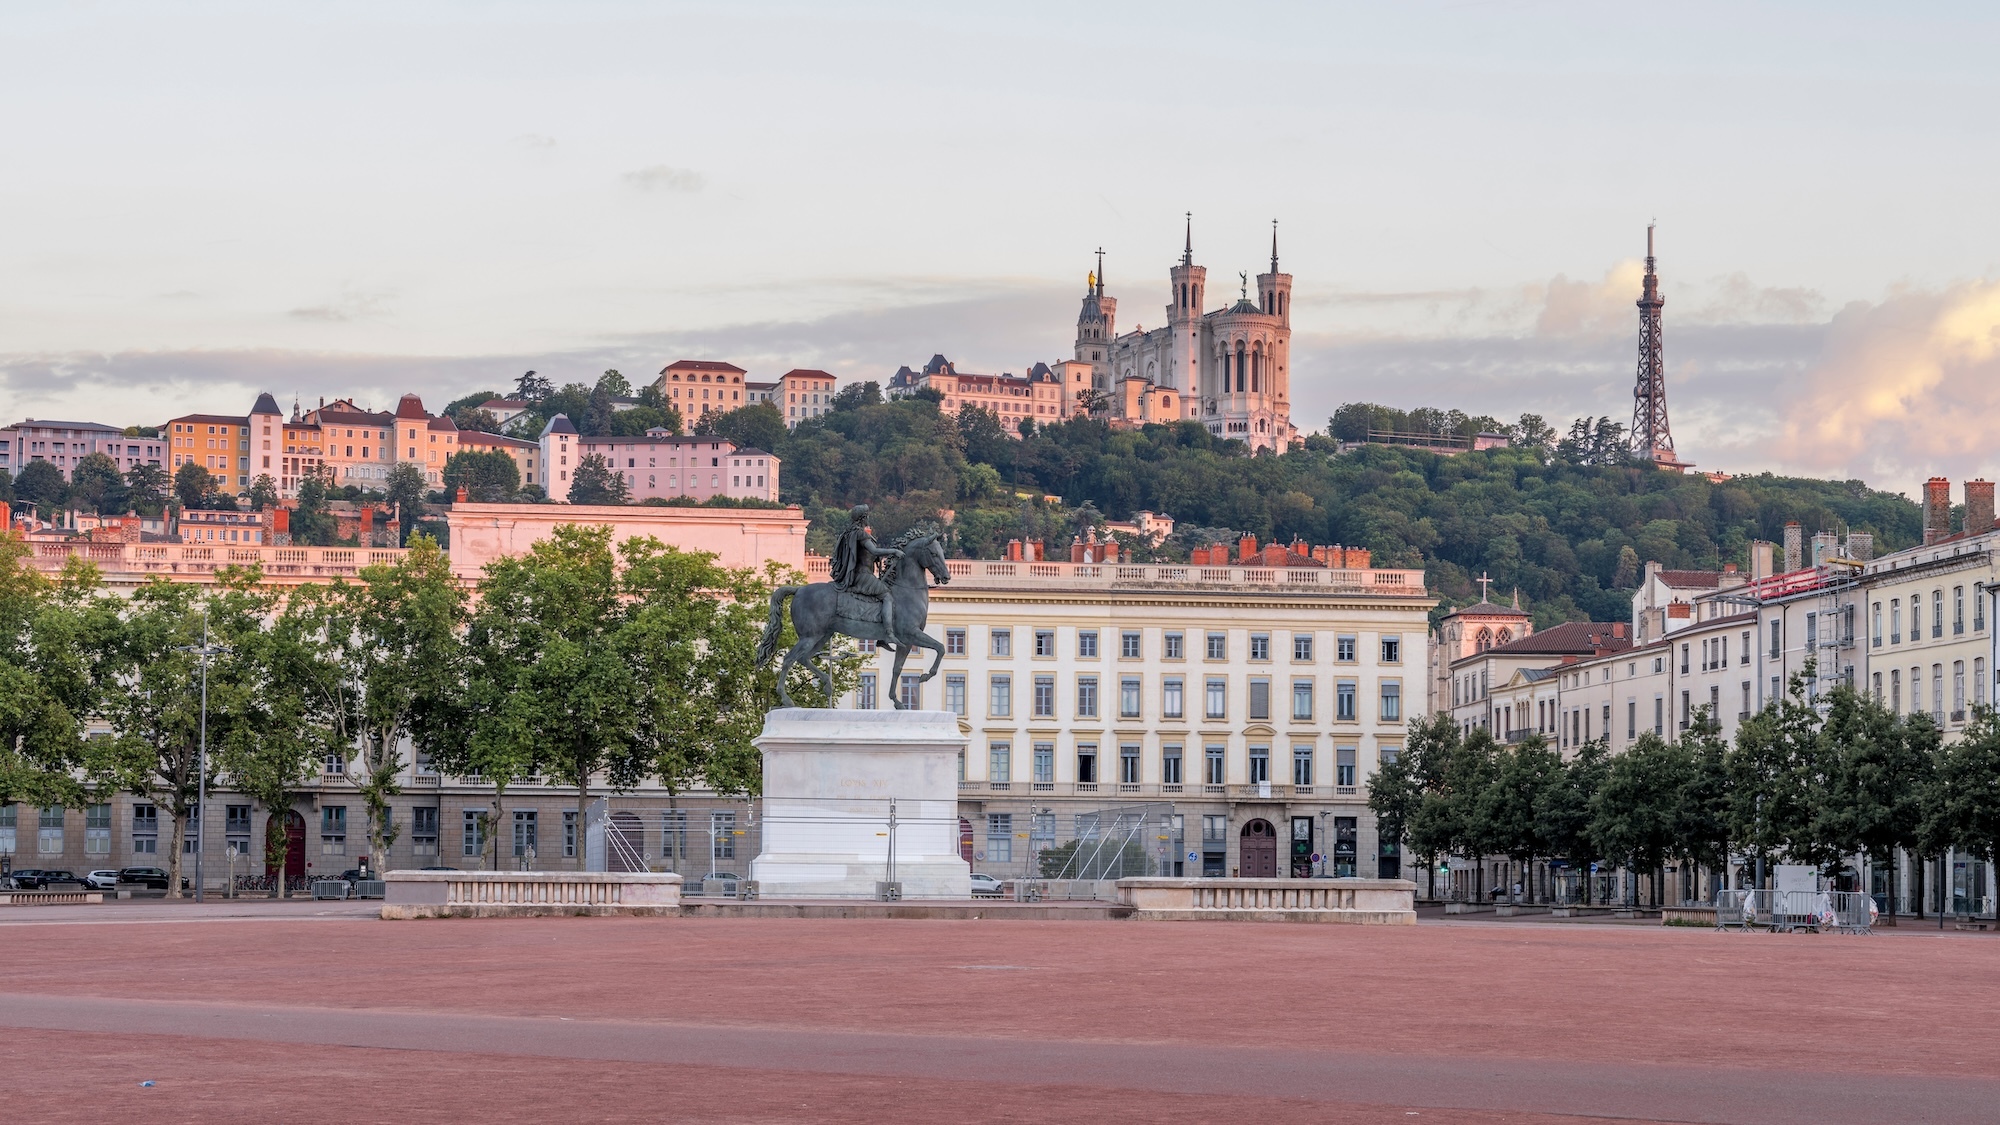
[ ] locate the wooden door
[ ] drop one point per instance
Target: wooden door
(1257, 853)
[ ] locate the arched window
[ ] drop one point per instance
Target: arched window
(1242, 365)
(1484, 641)
(1506, 636)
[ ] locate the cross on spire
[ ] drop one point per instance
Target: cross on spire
(1100, 271)
(1274, 246)
(1485, 586)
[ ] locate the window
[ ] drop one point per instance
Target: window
(474, 833)
(1302, 646)
(1302, 699)
(1957, 610)
(1129, 645)
(1631, 718)
(1170, 764)
(1086, 697)
(1895, 621)
(1343, 649)
(1343, 766)
(1172, 703)
(145, 828)
(424, 830)
(1937, 613)
(1978, 682)
(1875, 624)
(954, 643)
(722, 825)
(1344, 694)
(1260, 646)
(1978, 610)
(1003, 642)
(1776, 650)
(1659, 715)
(524, 832)
(235, 827)
(1128, 697)
(999, 837)
(1045, 642)
(1957, 690)
(1260, 765)
(97, 828)
(1045, 763)
(1302, 765)
(1937, 692)
(333, 829)
(1260, 698)
(1916, 617)
(1000, 762)
(1086, 763)
(1213, 756)
(1170, 645)
(1214, 831)
(910, 690)
(1086, 644)
(865, 693)
(1128, 764)
(1045, 697)
(1392, 650)
(8, 824)
(1218, 646)
(1684, 646)
(1392, 702)
(1218, 699)
(954, 693)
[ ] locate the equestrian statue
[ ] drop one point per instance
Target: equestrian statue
(877, 594)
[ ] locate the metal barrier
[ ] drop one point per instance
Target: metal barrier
(1732, 910)
(1847, 912)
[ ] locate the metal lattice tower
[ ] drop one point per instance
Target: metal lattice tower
(1652, 438)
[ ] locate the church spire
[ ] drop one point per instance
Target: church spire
(1274, 246)
(1100, 271)
(1187, 251)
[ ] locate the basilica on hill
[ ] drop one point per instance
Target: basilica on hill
(1227, 368)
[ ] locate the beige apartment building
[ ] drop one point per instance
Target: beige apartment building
(1249, 706)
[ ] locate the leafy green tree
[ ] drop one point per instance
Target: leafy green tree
(154, 704)
(404, 491)
(1632, 813)
(1396, 792)
(1523, 774)
(488, 477)
(595, 482)
(1700, 821)
(194, 485)
(1965, 807)
(1777, 781)
(1564, 812)
(1882, 770)
(51, 636)
(41, 484)
(533, 388)
(757, 426)
(548, 679)
(263, 492)
(313, 523)
(689, 632)
(96, 485)
(148, 486)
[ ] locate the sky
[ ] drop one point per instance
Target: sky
(208, 200)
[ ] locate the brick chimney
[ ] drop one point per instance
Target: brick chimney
(1013, 550)
(1760, 559)
(1978, 506)
(1077, 551)
(1794, 546)
(1937, 509)
(283, 516)
(1246, 549)
(1860, 546)
(460, 497)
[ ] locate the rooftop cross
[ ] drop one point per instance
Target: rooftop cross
(1485, 585)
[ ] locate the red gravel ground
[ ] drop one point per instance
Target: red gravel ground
(799, 1020)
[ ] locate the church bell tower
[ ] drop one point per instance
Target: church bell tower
(1183, 369)
(1096, 327)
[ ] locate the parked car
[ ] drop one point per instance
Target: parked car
(986, 886)
(23, 878)
(723, 882)
(152, 878)
(37, 880)
(101, 880)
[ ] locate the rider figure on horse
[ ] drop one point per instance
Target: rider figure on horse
(852, 569)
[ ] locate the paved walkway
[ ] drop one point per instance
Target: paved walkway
(722, 1019)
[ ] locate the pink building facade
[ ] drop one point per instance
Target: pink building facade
(737, 537)
(663, 466)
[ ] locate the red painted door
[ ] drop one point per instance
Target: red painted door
(1257, 854)
(965, 839)
(294, 827)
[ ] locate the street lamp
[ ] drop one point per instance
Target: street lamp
(204, 650)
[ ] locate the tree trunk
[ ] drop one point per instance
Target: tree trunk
(174, 859)
(1917, 877)
(582, 818)
(1891, 865)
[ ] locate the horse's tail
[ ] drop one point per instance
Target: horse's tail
(767, 645)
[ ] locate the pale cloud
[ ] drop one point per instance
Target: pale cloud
(535, 141)
(667, 178)
(350, 305)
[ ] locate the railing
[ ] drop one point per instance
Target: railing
(978, 573)
(180, 560)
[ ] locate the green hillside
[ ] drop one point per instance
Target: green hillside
(1562, 518)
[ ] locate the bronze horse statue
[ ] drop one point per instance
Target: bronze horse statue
(822, 610)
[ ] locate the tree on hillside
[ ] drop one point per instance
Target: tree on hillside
(147, 485)
(532, 388)
(488, 477)
(757, 426)
(41, 484)
(263, 493)
(194, 485)
(595, 482)
(96, 485)
(313, 522)
(404, 492)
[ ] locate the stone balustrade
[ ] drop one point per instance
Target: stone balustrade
(986, 574)
(514, 894)
(1380, 902)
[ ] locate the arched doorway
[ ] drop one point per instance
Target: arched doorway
(1257, 851)
(965, 839)
(293, 826)
(624, 843)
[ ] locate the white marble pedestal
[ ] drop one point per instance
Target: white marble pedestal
(831, 781)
